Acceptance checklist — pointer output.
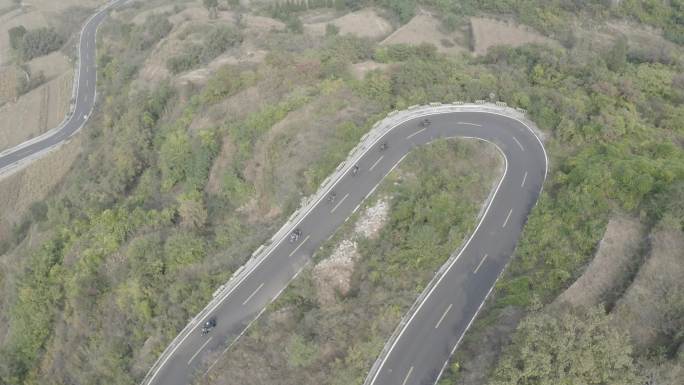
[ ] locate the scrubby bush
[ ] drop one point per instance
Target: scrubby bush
(214, 44)
(37, 42)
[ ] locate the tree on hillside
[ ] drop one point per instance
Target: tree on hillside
(211, 6)
(573, 347)
(16, 34)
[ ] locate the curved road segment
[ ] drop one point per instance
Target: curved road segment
(84, 99)
(428, 338)
(426, 341)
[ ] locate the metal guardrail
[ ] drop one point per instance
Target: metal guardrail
(369, 139)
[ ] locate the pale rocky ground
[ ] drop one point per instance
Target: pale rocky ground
(373, 218)
(332, 275)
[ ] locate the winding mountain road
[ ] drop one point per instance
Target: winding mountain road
(419, 350)
(423, 343)
(82, 103)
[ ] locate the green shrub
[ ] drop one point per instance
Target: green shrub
(39, 42)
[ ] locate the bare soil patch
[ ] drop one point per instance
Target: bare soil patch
(488, 33)
(424, 28)
(359, 70)
(261, 24)
(617, 255)
(35, 112)
(651, 308)
(363, 23)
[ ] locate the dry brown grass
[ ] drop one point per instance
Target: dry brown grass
(35, 112)
(424, 28)
(363, 23)
(51, 66)
(488, 33)
(18, 191)
(9, 80)
(651, 309)
(617, 255)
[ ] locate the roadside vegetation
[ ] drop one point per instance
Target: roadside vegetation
(172, 194)
(432, 200)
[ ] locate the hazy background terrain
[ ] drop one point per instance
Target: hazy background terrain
(213, 120)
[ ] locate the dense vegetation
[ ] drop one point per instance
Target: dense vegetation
(30, 44)
(135, 241)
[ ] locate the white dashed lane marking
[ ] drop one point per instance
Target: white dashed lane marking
(339, 203)
(443, 315)
(520, 145)
(199, 350)
(408, 375)
(480, 264)
(507, 218)
(253, 294)
(300, 245)
(376, 163)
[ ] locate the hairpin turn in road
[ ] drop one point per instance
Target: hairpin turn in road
(424, 341)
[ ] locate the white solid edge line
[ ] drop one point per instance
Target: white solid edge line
(339, 203)
(161, 365)
(253, 294)
(480, 264)
(443, 315)
(420, 306)
(199, 350)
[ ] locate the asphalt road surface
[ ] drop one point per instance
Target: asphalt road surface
(432, 333)
(84, 100)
